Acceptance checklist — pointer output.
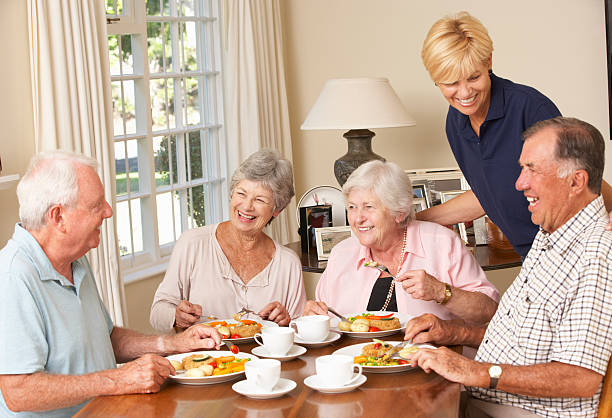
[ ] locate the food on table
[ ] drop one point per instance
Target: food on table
(406, 351)
(371, 355)
(244, 328)
(176, 364)
(201, 365)
(368, 322)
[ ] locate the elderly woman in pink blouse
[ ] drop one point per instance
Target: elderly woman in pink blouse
(435, 272)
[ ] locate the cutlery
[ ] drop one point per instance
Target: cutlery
(337, 314)
(232, 347)
(394, 352)
(380, 267)
(243, 312)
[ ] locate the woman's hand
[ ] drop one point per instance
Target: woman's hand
(315, 308)
(276, 312)
(421, 285)
(187, 314)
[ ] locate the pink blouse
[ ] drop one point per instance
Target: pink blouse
(346, 284)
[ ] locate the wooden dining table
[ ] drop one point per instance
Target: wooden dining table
(411, 393)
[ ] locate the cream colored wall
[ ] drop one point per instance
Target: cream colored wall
(17, 134)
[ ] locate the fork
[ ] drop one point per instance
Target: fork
(394, 352)
(380, 267)
(243, 312)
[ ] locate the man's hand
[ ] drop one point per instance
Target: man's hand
(143, 375)
(315, 308)
(421, 285)
(187, 314)
(276, 312)
(197, 337)
(450, 365)
(428, 328)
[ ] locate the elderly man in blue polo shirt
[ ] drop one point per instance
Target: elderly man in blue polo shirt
(546, 350)
(59, 347)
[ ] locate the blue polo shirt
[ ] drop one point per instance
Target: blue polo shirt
(490, 162)
(47, 324)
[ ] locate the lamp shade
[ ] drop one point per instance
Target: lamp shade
(357, 103)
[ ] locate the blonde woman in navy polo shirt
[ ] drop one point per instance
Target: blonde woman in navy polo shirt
(485, 120)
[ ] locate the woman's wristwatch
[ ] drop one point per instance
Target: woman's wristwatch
(447, 293)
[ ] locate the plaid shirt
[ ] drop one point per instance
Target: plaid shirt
(559, 308)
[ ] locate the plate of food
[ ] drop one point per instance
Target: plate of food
(372, 324)
(208, 367)
(369, 355)
(241, 330)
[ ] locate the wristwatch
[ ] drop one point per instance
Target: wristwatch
(495, 373)
(447, 293)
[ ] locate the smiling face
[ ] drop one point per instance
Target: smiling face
(371, 221)
(549, 196)
(251, 206)
(470, 95)
(83, 221)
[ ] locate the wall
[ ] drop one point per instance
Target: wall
(17, 134)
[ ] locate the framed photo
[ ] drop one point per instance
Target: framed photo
(460, 227)
(419, 205)
(421, 191)
(327, 238)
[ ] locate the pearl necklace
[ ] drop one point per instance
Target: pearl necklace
(399, 265)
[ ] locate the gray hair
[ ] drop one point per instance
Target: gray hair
(580, 146)
(51, 179)
(271, 170)
(388, 181)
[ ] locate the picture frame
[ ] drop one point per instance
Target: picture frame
(421, 191)
(327, 238)
(312, 217)
(419, 205)
(459, 227)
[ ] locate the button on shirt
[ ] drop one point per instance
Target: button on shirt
(48, 324)
(490, 162)
(557, 309)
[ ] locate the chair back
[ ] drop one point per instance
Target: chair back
(605, 402)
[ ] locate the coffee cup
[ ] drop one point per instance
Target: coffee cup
(337, 370)
(276, 340)
(313, 328)
(262, 373)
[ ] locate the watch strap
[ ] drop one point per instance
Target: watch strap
(448, 293)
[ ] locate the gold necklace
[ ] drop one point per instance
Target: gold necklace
(399, 265)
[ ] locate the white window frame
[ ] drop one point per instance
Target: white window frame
(154, 257)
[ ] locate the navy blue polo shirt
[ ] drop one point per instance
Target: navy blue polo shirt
(490, 162)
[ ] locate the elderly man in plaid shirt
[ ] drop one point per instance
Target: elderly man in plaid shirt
(546, 350)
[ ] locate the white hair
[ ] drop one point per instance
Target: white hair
(388, 181)
(51, 179)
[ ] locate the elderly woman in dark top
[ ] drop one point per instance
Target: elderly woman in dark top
(216, 270)
(435, 272)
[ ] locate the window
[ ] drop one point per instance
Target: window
(170, 154)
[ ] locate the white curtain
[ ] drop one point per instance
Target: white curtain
(72, 109)
(257, 114)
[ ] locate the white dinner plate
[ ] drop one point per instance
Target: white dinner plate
(294, 352)
(355, 350)
(245, 388)
(263, 322)
(207, 380)
(404, 318)
(326, 195)
(331, 337)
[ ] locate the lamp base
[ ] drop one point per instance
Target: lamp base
(359, 152)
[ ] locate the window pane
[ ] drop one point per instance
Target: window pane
(165, 226)
(162, 104)
(189, 41)
(113, 54)
(198, 212)
(114, 7)
(192, 101)
(195, 155)
(117, 108)
(187, 8)
(164, 149)
(120, 168)
(127, 58)
(133, 173)
(152, 7)
(129, 110)
(136, 225)
(159, 47)
(123, 228)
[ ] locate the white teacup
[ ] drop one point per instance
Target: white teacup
(313, 328)
(276, 340)
(337, 370)
(263, 374)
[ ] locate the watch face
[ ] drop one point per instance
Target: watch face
(495, 371)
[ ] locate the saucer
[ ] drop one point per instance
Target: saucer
(314, 382)
(331, 337)
(282, 387)
(294, 351)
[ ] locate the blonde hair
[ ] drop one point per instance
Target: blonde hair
(454, 47)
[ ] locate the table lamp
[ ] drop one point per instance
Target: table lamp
(357, 104)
